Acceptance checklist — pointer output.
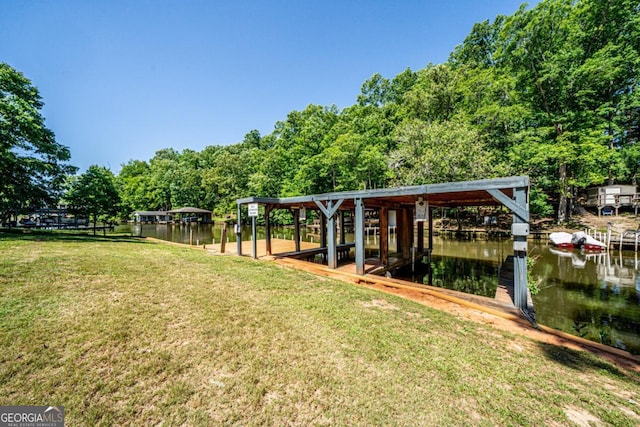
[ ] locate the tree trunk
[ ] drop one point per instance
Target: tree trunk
(562, 205)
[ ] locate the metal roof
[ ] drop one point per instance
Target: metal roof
(150, 213)
(484, 192)
(190, 210)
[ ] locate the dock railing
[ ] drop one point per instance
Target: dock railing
(625, 239)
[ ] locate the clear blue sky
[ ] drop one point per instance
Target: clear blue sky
(122, 79)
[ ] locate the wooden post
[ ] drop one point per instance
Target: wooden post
(520, 287)
(430, 245)
(239, 232)
(359, 236)
(223, 239)
(342, 228)
(329, 216)
(296, 228)
(267, 227)
(621, 241)
(420, 237)
(254, 237)
(332, 255)
(399, 232)
(323, 230)
(404, 232)
(384, 236)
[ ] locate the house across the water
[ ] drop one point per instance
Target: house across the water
(608, 199)
(153, 217)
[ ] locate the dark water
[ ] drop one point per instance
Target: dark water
(593, 296)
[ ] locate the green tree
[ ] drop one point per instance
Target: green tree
(94, 194)
(134, 187)
(439, 152)
(163, 168)
(575, 64)
(434, 96)
(32, 164)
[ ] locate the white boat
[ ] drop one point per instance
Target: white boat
(579, 239)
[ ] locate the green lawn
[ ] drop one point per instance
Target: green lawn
(127, 332)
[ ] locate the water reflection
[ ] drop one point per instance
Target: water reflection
(477, 277)
(596, 296)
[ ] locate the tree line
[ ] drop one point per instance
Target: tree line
(550, 92)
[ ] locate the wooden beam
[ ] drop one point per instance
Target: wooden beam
(518, 207)
(239, 231)
(331, 209)
(359, 236)
(430, 244)
(254, 236)
(405, 231)
(384, 236)
(296, 228)
(323, 230)
(520, 286)
(332, 255)
(402, 193)
(420, 243)
(267, 227)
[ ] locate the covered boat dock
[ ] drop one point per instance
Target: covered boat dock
(409, 208)
(190, 214)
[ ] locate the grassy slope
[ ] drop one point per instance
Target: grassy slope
(135, 333)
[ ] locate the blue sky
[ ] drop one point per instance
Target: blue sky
(121, 79)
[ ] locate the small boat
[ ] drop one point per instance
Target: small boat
(579, 239)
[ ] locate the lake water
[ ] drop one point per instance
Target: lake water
(593, 296)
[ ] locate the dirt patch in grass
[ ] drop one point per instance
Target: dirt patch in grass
(379, 304)
(581, 417)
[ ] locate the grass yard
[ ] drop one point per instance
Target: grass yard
(127, 332)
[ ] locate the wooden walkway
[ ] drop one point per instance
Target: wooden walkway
(277, 246)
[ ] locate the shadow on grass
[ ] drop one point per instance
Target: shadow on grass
(586, 361)
(64, 236)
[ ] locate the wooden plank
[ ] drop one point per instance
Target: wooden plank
(296, 228)
(278, 246)
(384, 235)
(420, 243)
(405, 231)
(267, 227)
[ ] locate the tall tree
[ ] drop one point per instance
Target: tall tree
(134, 187)
(538, 50)
(32, 164)
(94, 194)
(576, 68)
(439, 152)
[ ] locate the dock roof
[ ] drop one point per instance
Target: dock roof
(485, 192)
(188, 209)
